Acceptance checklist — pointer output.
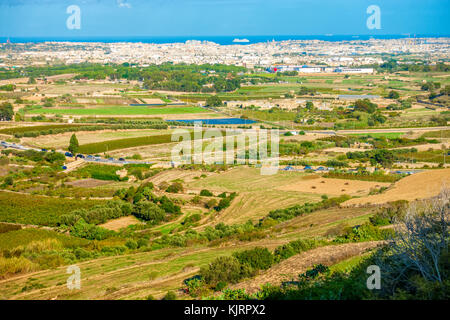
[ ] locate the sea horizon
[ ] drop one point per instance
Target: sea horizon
(222, 40)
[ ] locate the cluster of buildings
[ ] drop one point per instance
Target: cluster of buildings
(338, 56)
(318, 69)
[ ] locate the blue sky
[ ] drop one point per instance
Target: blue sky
(27, 18)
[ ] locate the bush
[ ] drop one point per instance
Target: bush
(257, 258)
(14, 265)
(211, 203)
(149, 211)
(170, 296)
(206, 193)
(225, 269)
(131, 244)
(168, 206)
(294, 247)
(82, 229)
(175, 187)
(9, 181)
(387, 215)
(365, 232)
(299, 210)
(220, 286)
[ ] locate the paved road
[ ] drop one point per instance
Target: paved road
(86, 159)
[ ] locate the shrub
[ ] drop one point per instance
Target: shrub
(211, 203)
(175, 187)
(131, 244)
(168, 206)
(294, 247)
(14, 265)
(7, 227)
(387, 215)
(196, 199)
(82, 229)
(225, 269)
(257, 258)
(365, 232)
(9, 181)
(81, 253)
(206, 193)
(170, 296)
(149, 211)
(220, 286)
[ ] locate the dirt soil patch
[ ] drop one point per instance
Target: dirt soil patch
(120, 223)
(88, 183)
(333, 186)
(418, 186)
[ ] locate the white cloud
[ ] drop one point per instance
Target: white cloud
(123, 4)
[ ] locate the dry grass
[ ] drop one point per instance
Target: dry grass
(257, 194)
(421, 185)
(120, 223)
(88, 183)
(333, 186)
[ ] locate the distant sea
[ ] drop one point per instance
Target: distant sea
(223, 40)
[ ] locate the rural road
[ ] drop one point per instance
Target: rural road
(390, 130)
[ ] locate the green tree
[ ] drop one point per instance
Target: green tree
(225, 269)
(393, 95)
(74, 145)
(365, 106)
(6, 112)
(383, 157)
(213, 101)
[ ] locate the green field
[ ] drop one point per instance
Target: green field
(105, 146)
(38, 210)
(118, 110)
(389, 135)
(23, 237)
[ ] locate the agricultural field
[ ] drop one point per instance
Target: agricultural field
(60, 141)
(88, 178)
(117, 111)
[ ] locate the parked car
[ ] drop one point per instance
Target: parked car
(307, 168)
(80, 156)
(121, 159)
(68, 154)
